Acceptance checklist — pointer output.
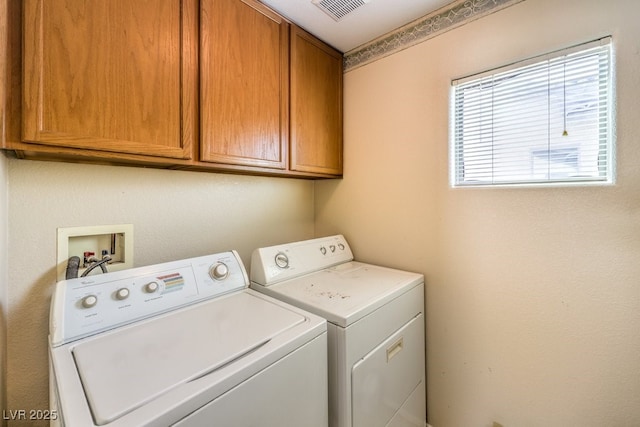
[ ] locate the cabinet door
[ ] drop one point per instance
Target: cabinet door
(111, 75)
(243, 84)
(316, 105)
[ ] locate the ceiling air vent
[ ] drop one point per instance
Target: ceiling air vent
(338, 9)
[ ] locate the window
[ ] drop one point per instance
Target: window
(545, 120)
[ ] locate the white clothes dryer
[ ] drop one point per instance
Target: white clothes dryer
(375, 332)
(184, 343)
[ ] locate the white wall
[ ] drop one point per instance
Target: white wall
(4, 275)
(532, 294)
(175, 215)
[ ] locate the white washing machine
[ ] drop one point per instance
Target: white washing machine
(375, 330)
(184, 343)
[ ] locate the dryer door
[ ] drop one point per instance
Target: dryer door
(385, 378)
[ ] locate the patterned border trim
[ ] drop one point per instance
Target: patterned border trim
(447, 18)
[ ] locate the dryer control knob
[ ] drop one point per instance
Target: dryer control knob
(282, 260)
(89, 301)
(219, 271)
(151, 287)
(122, 294)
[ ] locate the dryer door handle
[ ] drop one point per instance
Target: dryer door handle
(394, 349)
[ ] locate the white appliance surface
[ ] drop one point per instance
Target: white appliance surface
(385, 378)
(213, 341)
(345, 293)
(108, 363)
(375, 331)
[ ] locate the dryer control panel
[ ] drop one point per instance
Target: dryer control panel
(88, 305)
(274, 264)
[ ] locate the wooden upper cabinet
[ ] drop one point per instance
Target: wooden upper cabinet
(224, 85)
(111, 75)
(244, 84)
(316, 105)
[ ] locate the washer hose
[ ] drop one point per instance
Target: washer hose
(105, 259)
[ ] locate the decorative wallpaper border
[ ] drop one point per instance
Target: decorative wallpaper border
(447, 18)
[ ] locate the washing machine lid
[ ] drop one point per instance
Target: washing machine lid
(345, 293)
(126, 368)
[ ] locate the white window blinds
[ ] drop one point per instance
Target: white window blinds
(545, 120)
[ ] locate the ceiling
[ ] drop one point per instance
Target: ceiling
(363, 24)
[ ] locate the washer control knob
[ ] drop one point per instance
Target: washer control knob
(323, 250)
(333, 248)
(341, 246)
(219, 271)
(151, 287)
(122, 294)
(282, 260)
(89, 301)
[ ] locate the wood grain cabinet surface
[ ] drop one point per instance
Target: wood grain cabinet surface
(111, 75)
(316, 105)
(211, 85)
(244, 83)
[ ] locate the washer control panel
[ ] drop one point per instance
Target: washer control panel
(274, 264)
(88, 305)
